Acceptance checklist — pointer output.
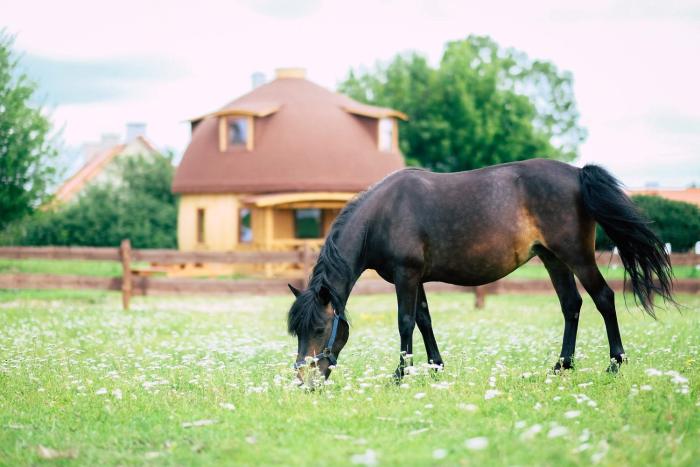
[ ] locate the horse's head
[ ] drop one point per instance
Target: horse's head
(321, 330)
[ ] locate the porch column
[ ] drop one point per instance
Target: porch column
(269, 228)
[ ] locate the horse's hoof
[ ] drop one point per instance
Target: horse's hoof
(564, 363)
(615, 363)
(398, 375)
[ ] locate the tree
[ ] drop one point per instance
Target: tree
(137, 204)
(26, 152)
(482, 105)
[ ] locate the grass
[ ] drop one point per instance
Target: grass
(206, 381)
(113, 269)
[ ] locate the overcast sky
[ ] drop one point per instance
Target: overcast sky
(101, 64)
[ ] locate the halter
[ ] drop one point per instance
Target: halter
(328, 349)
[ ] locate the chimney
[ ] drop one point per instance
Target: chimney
(92, 149)
(134, 130)
(257, 79)
(286, 73)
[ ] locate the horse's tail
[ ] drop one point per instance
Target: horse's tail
(642, 253)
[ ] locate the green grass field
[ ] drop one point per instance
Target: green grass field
(206, 381)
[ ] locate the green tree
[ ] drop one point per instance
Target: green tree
(482, 105)
(26, 152)
(137, 204)
(675, 222)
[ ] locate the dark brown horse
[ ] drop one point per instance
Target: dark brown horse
(472, 228)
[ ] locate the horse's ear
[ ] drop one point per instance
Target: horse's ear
(294, 290)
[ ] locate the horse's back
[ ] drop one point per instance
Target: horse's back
(471, 227)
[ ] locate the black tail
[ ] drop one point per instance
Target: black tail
(642, 253)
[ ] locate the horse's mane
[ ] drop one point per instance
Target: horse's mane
(307, 313)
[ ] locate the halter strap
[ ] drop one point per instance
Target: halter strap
(328, 349)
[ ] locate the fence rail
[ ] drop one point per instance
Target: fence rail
(130, 284)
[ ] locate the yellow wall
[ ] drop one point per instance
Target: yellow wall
(284, 223)
(329, 216)
(220, 222)
(221, 218)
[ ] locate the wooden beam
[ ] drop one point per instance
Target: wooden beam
(223, 136)
(151, 285)
(250, 137)
(57, 252)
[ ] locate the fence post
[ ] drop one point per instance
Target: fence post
(305, 265)
(125, 253)
(479, 297)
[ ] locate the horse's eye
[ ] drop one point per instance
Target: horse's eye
(318, 332)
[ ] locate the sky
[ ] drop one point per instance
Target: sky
(101, 64)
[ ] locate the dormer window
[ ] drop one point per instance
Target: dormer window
(238, 131)
(386, 134)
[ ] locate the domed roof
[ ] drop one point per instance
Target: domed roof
(305, 138)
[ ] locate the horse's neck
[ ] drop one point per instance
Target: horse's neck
(350, 245)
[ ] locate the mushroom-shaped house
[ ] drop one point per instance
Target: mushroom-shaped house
(273, 168)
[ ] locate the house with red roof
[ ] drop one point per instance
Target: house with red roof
(272, 169)
(100, 156)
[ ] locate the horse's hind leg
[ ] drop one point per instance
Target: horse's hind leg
(604, 299)
(570, 300)
(582, 263)
(425, 326)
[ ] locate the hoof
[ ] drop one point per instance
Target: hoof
(398, 374)
(564, 363)
(615, 363)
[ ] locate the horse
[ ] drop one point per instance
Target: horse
(471, 228)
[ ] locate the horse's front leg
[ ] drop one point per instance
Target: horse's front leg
(425, 326)
(407, 284)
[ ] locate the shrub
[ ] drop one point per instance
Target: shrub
(675, 222)
(137, 204)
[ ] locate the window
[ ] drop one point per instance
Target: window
(238, 131)
(245, 231)
(386, 134)
(307, 223)
(200, 225)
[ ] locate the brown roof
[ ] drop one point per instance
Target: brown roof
(688, 195)
(307, 139)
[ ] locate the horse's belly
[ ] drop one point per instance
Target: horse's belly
(473, 268)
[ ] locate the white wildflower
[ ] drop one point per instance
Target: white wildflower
(198, 423)
(467, 407)
(531, 432)
(557, 431)
(477, 444)
(368, 458)
(601, 451)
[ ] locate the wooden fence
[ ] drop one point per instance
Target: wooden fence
(130, 283)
